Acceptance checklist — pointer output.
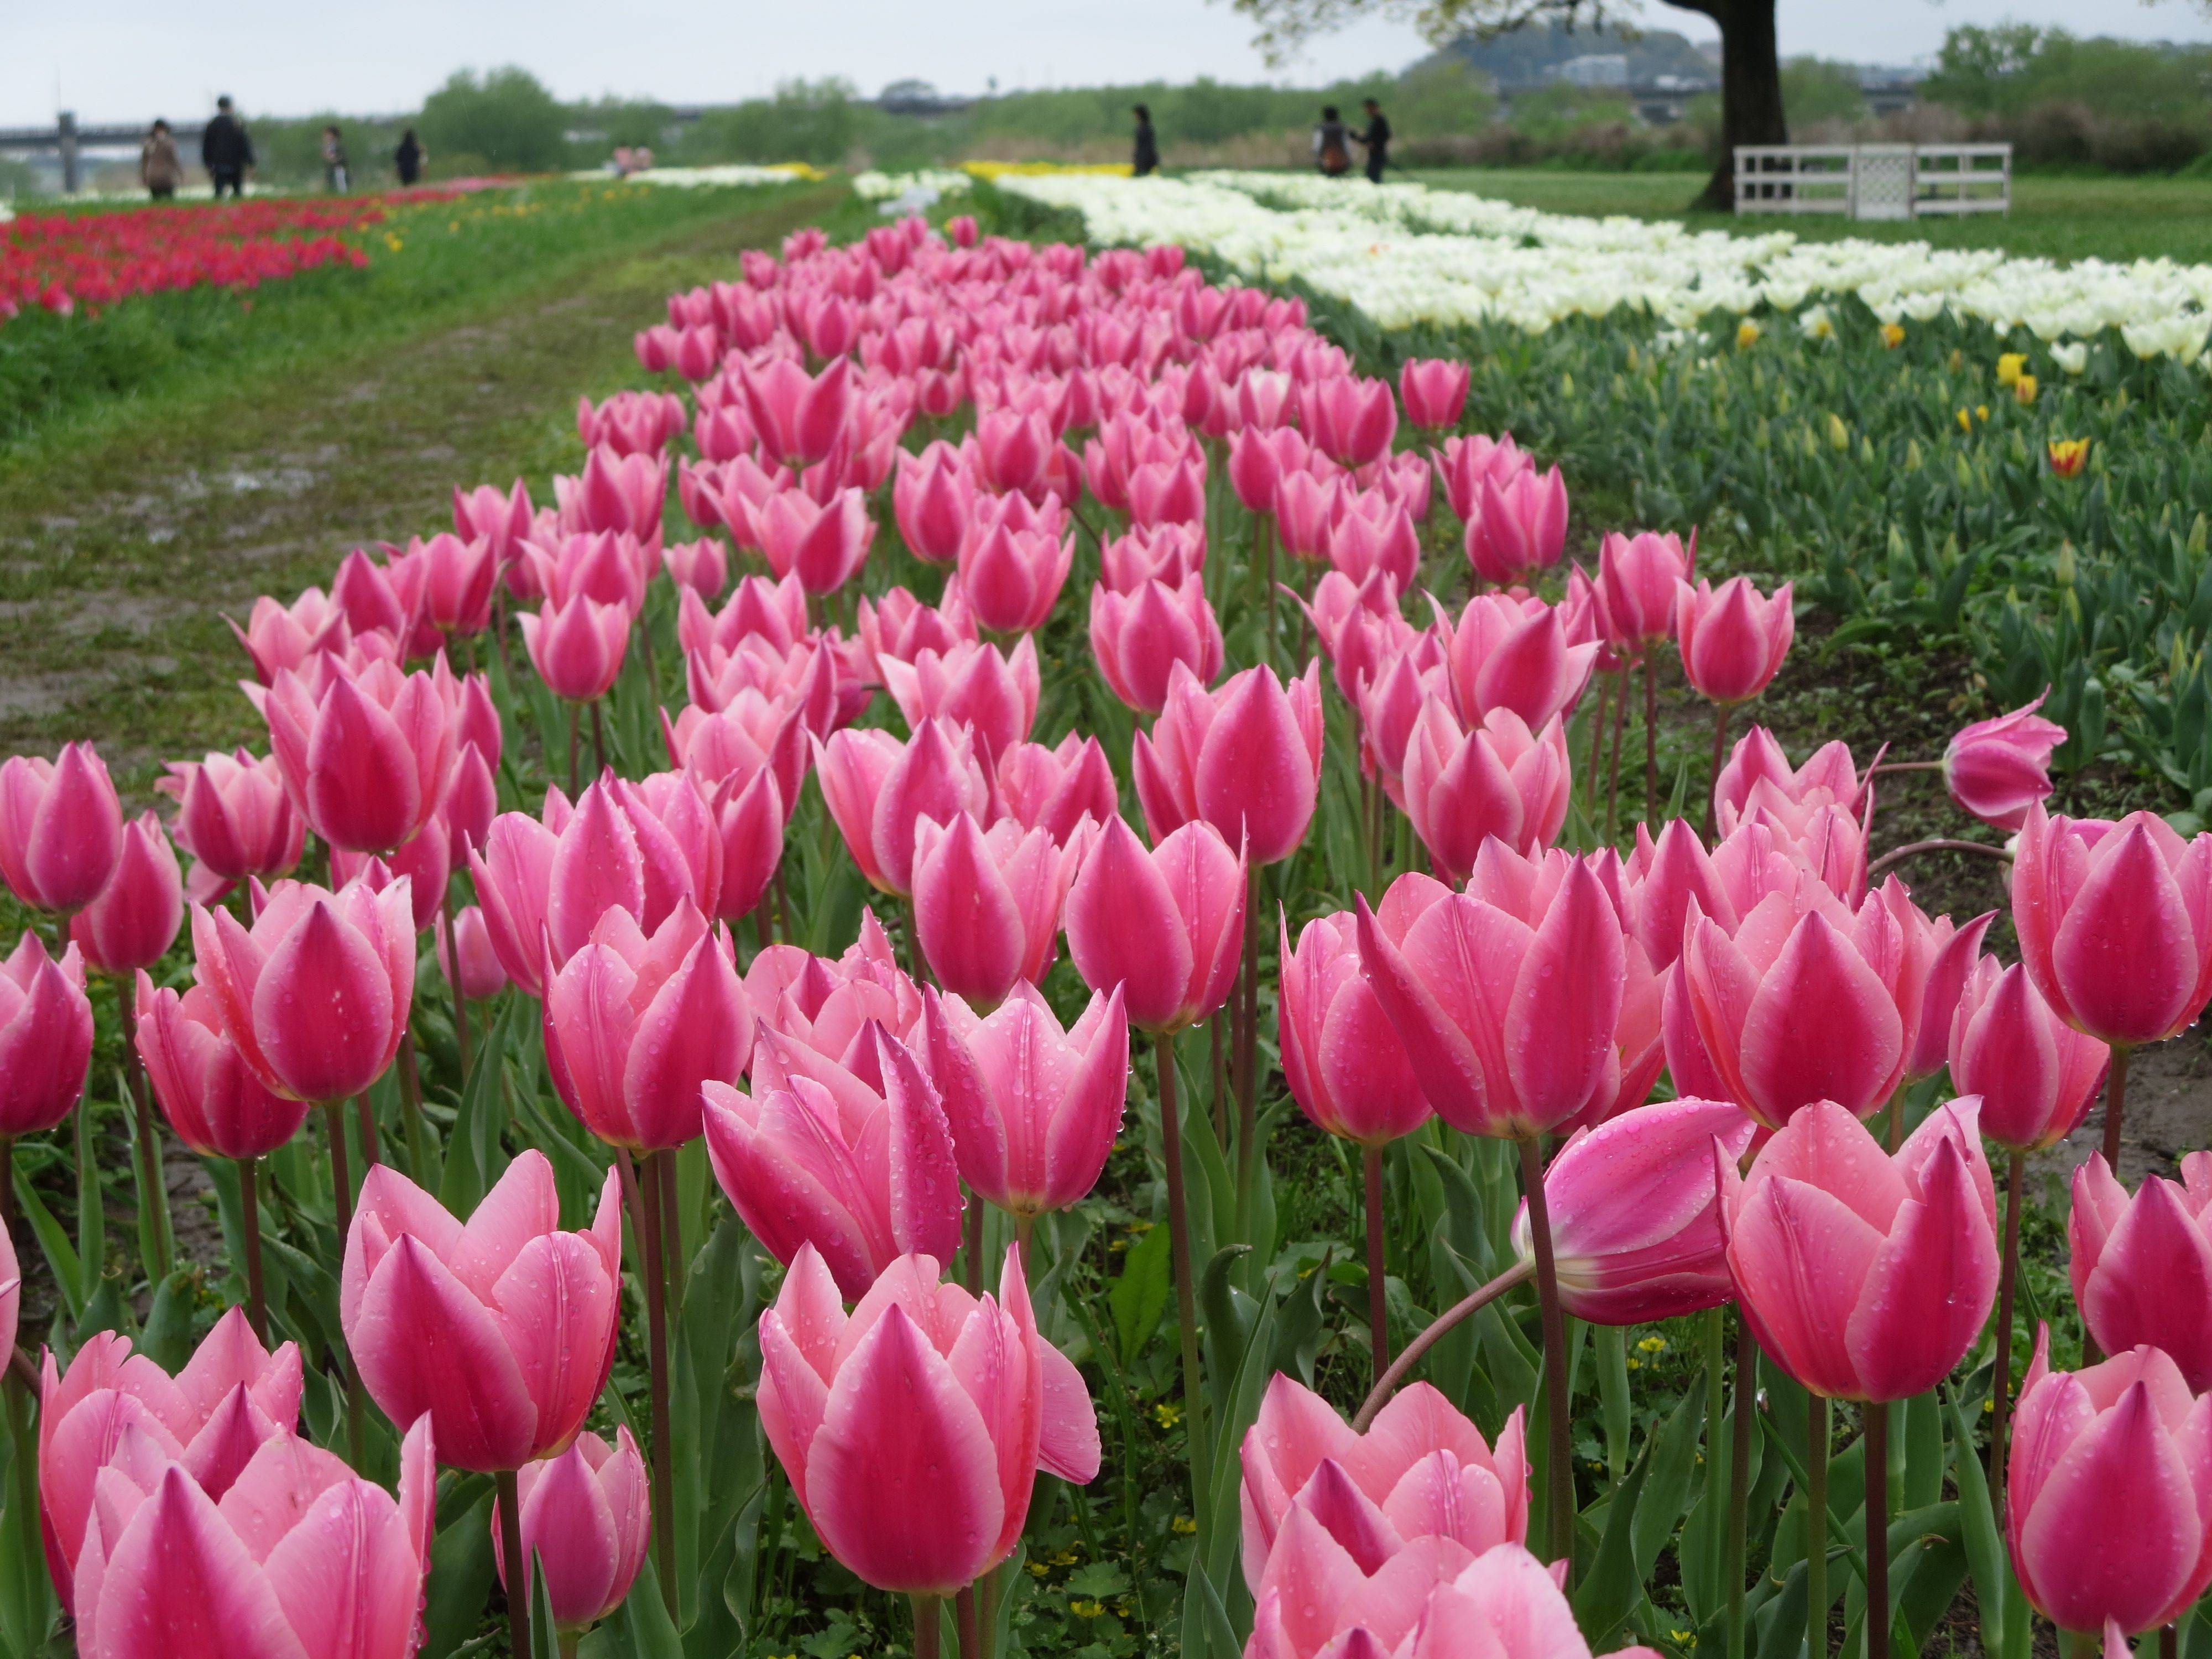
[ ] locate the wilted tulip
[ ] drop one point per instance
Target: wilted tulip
(500, 1330)
(1341, 1056)
(1996, 769)
(585, 1516)
(45, 1036)
(1905, 1268)
(1166, 926)
(134, 921)
(913, 1429)
(61, 829)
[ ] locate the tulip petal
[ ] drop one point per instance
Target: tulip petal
(178, 1584)
(424, 1343)
(347, 1576)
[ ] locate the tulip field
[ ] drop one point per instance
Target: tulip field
(1094, 947)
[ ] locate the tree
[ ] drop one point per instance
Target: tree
(507, 119)
(1750, 68)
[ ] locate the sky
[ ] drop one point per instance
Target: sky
(128, 60)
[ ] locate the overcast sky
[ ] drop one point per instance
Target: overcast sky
(126, 60)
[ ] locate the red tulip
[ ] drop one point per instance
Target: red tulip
(585, 1516)
(1341, 1056)
(209, 1095)
(986, 903)
(1997, 769)
(1866, 1277)
(234, 819)
(61, 829)
(992, 692)
(1165, 926)
(913, 1429)
(316, 995)
(1732, 641)
(2115, 923)
(1520, 526)
(1462, 788)
(45, 1036)
(2035, 1075)
(2108, 1514)
(1140, 636)
(366, 763)
(134, 921)
(1434, 390)
(2143, 1266)
(1245, 758)
(502, 1331)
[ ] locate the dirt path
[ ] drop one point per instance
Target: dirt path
(114, 579)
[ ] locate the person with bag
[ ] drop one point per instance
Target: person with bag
(160, 169)
(1332, 144)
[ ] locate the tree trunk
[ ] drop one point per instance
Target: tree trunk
(1750, 88)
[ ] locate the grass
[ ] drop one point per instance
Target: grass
(2058, 218)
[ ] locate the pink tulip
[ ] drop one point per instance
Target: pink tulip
(826, 1004)
(1805, 1003)
(913, 1429)
(1165, 926)
(878, 789)
(2115, 923)
(1350, 419)
(774, 611)
(1464, 463)
(484, 514)
(749, 819)
(1434, 390)
(1341, 1056)
(1055, 789)
(1758, 779)
(1012, 450)
(367, 596)
(1422, 1471)
(1506, 996)
(799, 419)
(621, 493)
(1520, 526)
(585, 1516)
(134, 921)
(1635, 1222)
(11, 1292)
(316, 996)
(1383, 540)
(501, 1330)
(1514, 653)
(2108, 1514)
(992, 692)
(1140, 636)
(61, 829)
(932, 500)
(1307, 510)
(425, 861)
(1996, 769)
(700, 566)
(635, 1023)
(1867, 1277)
(457, 583)
(631, 423)
(45, 1036)
(901, 626)
(853, 1160)
(608, 566)
(232, 1396)
(2036, 1075)
(1245, 758)
(1732, 641)
(366, 762)
(1012, 577)
(1636, 578)
(277, 637)
(823, 545)
(1255, 468)
(1461, 787)
(1034, 1109)
(479, 974)
(234, 819)
(209, 1095)
(2143, 1266)
(986, 903)
(1951, 952)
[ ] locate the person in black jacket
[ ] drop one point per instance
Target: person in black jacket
(1146, 160)
(409, 157)
(225, 151)
(1377, 140)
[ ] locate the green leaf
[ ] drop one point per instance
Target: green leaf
(1099, 1581)
(1667, 1492)
(1207, 1618)
(167, 1339)
(462, 1567)
(1139, 1296)
(61, 1254)
(1612, 1586)
(1987, 1559)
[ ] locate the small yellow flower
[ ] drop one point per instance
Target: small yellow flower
(1746, 335)
(1634, 1364)
(1981, 411)
(1184, 1524)
(1038, 1569)
(2068, 456)
(2023, 389)
(1965, 422)
(2010, 365)
(1653, 1345)
(1892, 335)
(1085, 1609)
(1167, 1414)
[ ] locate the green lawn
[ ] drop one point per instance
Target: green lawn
(2058, 218)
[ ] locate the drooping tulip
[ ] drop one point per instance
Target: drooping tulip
(316, 995)
(635, 1023)
(134, 921)
(1520, 526)
(585, 1515)
(2141, 1266)
(1733, 642)
(2107, 1512)
(45, 1036)
(987, 902)
(234, 819)
(1506, 996)
(2035, 1074)
(1139, 637)
(61, 828)
(1996, 769)
(1245, 758)
(1461, 787)
(1866, 1276)
(366, 762)
(1434, 390)
(1635, 1223)
(1166, 926)
(501, 1330)
(913, 1429)
(1034, 1109)
(1341, 1056)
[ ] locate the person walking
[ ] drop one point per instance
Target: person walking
(409, 157)
(1376, 138)
(1332, 143)
(337, 177)
(160, 169)
(225, 151)
(1145, 160)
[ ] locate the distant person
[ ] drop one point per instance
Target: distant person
(409, 157)
(1145, 160)
(1332, 143)
(337, 177)
(1377, 140)
(160, 169)
(225, 151)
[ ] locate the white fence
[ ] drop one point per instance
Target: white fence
(1873, 181)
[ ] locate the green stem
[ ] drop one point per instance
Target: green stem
(1816, 1526)
(249, 1204)
(1877, 1528)
(929, 1631)
(372, 1142)
(2001, 1370)
(410, 1096)
(2116, 1101)
(1559, 1470)
(1746, 1413)
(1433, 1332)
(153, 1187)
(19, 1398)
(1379, 1297)
(1612, 1344)
(1717, 1449)
(656, 1318)
(963, 1617)
(517, 1564)
(1650, 736)
(342, 1194)
(453, 981)
(1194, 1395)
(575, 723)
(1713, 788)
(1248, 1054)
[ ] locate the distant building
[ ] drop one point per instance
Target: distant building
(1595, 69)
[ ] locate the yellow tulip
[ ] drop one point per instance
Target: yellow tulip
(2009, 366)
(1747, 334)
(1892, 335)
(2023, 389)
(2068, 456)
